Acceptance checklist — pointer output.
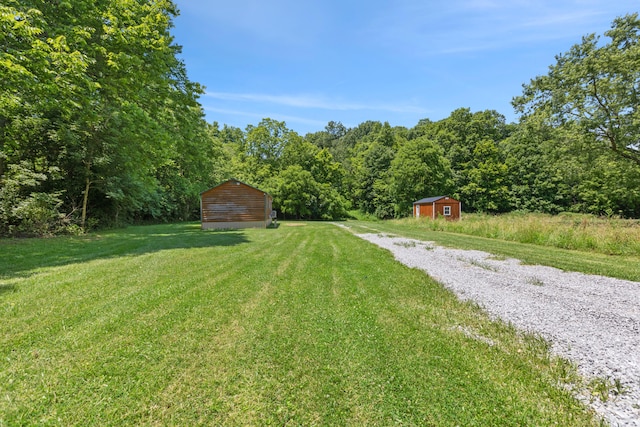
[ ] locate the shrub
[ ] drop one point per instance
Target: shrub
(24, 211)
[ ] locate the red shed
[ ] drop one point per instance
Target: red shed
(234, 204)
(431, 207)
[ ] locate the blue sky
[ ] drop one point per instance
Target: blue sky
(307, 62)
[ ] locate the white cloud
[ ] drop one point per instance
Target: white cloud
(261, 115)
(307, 101)
(480, 25)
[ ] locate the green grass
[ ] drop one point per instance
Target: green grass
(620, 266)
(307, 325)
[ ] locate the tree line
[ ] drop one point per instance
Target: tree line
(100, 126)
(98, 120)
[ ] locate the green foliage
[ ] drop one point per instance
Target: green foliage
(596, 87)
(470, 143)
(266, 141)
(24, 211)
(333, 139)
(95, 90)
(418, 170)
(303, 179)
(487, 188)
(370, 166)
(38, 214)
(296, 194)
(476, 163)
(552, 170)
(538, 168)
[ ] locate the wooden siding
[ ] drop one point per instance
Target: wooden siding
(234, 203)
(233, 225)
(454, 204)
(427, 209)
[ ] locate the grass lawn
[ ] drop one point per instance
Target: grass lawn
(306, 325)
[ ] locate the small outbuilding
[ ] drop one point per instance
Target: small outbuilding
(432, 207)
(234, 204)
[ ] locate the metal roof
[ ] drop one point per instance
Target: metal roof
(429, 199)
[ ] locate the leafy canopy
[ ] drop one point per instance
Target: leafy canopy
(595, 86)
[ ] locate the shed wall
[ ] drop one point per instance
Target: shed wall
(427, 209)
(235, 205)
(454, 204)
(228, 225)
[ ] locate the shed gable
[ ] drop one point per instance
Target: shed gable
(234, 204)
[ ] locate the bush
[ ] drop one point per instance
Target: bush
(24, 211)
(38, 214)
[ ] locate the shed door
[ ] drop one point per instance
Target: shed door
(417, 211)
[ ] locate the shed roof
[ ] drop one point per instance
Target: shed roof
(238, 181)
(429, 199)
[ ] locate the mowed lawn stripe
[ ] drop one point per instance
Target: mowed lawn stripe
(303, 325)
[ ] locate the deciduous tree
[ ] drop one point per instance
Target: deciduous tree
(596, 86)
(418, 170)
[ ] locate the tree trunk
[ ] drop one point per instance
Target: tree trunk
(85, 200)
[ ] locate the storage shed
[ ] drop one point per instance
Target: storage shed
(234, 204)
(432, 207)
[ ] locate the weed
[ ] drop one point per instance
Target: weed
(600, 388)
(567, 371)
(603, 388)
(406, 243)
(618, 387)
(477, 263)
(534, 281)
(538, 344)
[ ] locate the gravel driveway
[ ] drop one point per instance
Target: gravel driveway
(592, 320)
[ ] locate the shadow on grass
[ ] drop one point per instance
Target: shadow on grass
(20, 257)
(7, 288)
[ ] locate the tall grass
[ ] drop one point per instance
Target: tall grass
(609, 236)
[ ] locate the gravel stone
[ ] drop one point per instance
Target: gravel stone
(591, 320)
